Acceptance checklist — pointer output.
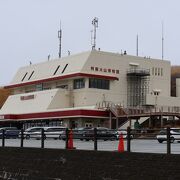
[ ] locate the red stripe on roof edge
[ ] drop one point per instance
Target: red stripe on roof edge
(70, 113)
(62, 77)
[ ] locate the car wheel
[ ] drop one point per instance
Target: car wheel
(172, 139)
(160, 140)
(27, 136)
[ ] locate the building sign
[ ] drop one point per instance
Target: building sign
(108, 70)
(1, 117)
(27, 97)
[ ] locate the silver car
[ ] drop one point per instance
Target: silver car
(53, 132)
(32, 132)
(174, 135)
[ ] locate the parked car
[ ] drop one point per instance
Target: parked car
(174, 135)
(49, 132)
(9, 132)
(77, 133)
(54, 132)
(102, 133)
(33, 132)
(123, 132)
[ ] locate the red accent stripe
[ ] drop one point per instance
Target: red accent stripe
(62, 77)
(59, 114)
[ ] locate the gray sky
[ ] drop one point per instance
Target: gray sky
(29, 29)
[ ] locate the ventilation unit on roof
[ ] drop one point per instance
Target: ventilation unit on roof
(24, 77)
(31, 75)
(64, 68)
(56, 70)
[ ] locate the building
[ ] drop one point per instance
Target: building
(175, 81)
(4, 93)
(92, 88)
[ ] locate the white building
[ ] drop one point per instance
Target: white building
(78, 90)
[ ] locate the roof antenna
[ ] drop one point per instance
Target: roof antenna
(162, 40)
(49, 57)
(137, 45)
(93, 36)
(60, 37)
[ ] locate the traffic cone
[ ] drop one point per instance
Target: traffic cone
(70, 140)
(121, 143)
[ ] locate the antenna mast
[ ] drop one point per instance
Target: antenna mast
(60, 38)
(137, 45)
(95, 24)
(162, 40)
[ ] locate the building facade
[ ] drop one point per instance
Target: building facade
(78, 90)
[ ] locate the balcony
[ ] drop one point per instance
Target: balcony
(138, 72)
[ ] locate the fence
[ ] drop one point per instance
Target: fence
(139, 134)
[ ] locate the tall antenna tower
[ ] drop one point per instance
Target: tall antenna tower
(60, 39)
(137, 45)
(93, 36)
(162, 40)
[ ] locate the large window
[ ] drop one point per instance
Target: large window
(79, 83)
(98, 83)
(39, 87)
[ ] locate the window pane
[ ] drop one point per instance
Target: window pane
(98, 83)
(79, 83)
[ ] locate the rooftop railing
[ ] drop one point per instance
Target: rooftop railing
(138, 72)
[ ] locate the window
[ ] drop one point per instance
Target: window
(153, 71)
(64, 68)
(79, 83)
(31, 75)
(98, 83)
(56, 70)
(161, 71)
(39, 87)
(24, 77)
(158, 71)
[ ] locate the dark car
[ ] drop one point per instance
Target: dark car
(77, 133)
(102, 134)
(9, 132)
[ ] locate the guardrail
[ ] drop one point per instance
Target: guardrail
(131, 134)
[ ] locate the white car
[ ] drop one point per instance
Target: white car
(32, 132)
(49, 132)
(54, 132)
(175, 135)
(123, 132)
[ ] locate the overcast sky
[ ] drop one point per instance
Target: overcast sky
(28, 29)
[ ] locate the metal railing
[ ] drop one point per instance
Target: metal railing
(131, 134)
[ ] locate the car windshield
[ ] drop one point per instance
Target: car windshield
(34, 130)
(176, 130)
(55, 129)
(162, 132)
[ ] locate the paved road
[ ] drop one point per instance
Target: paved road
(149, 146)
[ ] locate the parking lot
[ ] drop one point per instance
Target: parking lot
(137, 145)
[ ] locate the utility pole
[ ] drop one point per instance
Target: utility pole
(162, 40)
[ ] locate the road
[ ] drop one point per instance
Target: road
(148, 146)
